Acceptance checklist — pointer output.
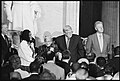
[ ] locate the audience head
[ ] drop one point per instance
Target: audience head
(81, 74)
(117, 50)
(92, 57)
(101, 61)
(58, 56)
(84, 65)
(109, 70)
(83, 60)
(15, 76)
(67, 30)
(99, 26)
(34, 67)
(66, 54)
(40, 60)
(4, 28)
(47, 75)
(75, 67)
(15, 61)
(26, 35)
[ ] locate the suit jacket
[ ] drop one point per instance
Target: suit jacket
(56, 70)
(75, 46)
(92, 45)
(64, 65)
(4, 49)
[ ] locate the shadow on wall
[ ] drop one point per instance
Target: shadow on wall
(57, 33)
(38, 42)
(46, 33)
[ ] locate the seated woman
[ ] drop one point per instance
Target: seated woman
(48, 49)
(26, 49)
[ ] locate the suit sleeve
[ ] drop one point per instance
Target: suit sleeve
(88, 45)
(81, 49)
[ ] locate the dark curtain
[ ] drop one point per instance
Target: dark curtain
(90, 11)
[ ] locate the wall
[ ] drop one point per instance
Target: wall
(54, 16)
(110, 17)
(57, 14)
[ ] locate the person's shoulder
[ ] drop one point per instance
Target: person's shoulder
(75, 35)
(92, 35)
(106, 35)
(59, 37)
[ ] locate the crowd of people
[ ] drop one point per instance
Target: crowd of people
(60, 58)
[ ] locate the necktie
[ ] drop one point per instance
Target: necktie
(68, 40)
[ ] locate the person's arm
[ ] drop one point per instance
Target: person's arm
(26, 51)
(81, 49)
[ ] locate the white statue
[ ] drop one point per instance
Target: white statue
(23, 15)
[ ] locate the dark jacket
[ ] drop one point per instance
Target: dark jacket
(75, 46)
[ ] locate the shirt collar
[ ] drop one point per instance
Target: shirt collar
(117, 56)
(99, 34)
(34, 73)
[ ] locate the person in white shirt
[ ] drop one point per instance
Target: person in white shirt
(26, 49)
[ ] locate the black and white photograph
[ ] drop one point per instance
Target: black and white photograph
(60, 40)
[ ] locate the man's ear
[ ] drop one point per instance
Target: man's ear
(95, 28)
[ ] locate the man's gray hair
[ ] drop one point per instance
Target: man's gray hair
(98, 22)
(66, 26)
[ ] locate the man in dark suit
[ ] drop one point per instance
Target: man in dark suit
(99, 42)
(4, 44)
(72, 43)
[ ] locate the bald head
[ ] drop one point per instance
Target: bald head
(81, 74)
